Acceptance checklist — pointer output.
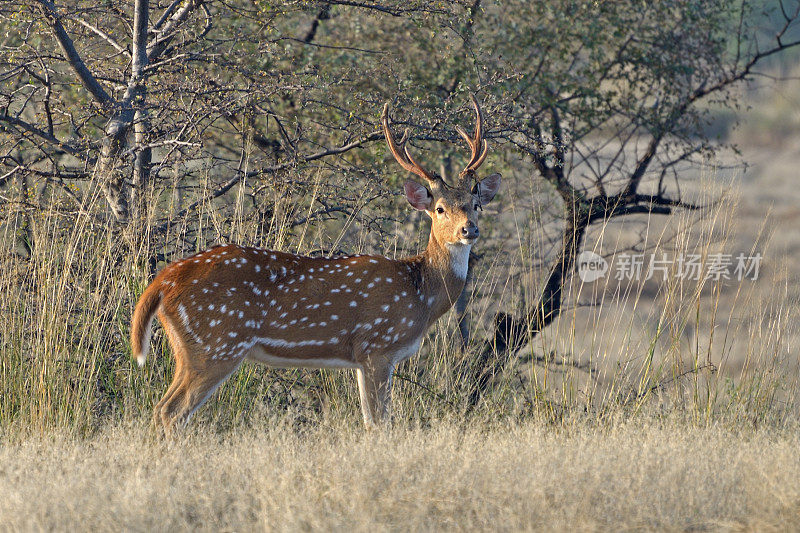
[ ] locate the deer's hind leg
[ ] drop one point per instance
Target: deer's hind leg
(159, 420)
(196, 385)
(197, 376)
(180, 355)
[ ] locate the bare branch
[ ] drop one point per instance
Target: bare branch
(106, 37)
(395, 12)
(68, 47)
(324, 14)
(225, 187)
(641, 166)
(170, 28)
(30, 128)
(166, 14)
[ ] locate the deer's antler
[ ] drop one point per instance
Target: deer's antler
(400, 151)
(478, 146)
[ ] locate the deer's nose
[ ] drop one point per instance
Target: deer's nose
(469, 231)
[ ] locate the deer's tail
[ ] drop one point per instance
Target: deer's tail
(142, 321)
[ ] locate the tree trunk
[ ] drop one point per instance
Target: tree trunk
(129, 112)
(141, 165)
(512, 333)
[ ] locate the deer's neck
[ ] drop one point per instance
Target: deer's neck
(443, 273)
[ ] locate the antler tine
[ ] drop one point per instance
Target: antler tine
(478, 162)
(466, 137)
(477, 144)
(478, 119)
(400, 151)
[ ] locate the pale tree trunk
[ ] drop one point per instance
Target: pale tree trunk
(127, 110)
(141, 165)
(141, 123)
(129, 113)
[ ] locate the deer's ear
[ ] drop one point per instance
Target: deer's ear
(487, 188)
(417, 195)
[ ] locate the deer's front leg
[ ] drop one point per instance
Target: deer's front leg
(375, 391)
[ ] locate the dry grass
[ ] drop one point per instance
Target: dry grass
(634, 474)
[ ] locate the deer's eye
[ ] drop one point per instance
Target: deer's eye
(440, 210)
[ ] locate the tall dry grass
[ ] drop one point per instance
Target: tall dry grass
(632, 473)
(707, 347)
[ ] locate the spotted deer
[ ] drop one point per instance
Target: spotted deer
(231, 303)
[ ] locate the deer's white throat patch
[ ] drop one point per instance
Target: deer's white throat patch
(459, 259)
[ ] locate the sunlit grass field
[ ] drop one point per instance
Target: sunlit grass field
(622, 473)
